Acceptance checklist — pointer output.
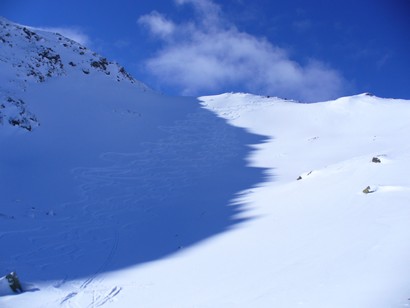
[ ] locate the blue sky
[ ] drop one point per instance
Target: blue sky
(306, 50)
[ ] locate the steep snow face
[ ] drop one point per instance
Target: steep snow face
(315, 238)
(113, 177)
(31, 56)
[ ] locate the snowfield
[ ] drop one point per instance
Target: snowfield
(121, 197)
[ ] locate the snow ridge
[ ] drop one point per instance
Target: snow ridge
(30, 56)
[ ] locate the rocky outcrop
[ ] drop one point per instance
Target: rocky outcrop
(29, 55)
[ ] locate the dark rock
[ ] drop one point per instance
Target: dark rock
(14, 282)
(368, 190)
(376, 160)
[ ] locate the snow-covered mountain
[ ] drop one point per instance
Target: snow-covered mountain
(31, 56)
(113, 195)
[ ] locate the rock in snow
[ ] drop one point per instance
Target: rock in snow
(113, 195)
(29, 55)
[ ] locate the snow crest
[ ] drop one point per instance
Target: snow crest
(29, 55)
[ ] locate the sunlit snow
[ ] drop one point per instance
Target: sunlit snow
(121, 197)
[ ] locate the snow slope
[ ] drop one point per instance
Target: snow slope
(125, 198)
(113, 176)
(314, 242)
(326, 243)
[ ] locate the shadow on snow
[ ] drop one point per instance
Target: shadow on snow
(169, 193)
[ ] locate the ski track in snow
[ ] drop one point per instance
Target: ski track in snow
(168, 191)
(125, 195)
(160, 170)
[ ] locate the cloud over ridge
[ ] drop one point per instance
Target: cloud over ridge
(209, 54)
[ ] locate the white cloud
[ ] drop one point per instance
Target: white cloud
(211, 55)
(157, 24)
(72, 33)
